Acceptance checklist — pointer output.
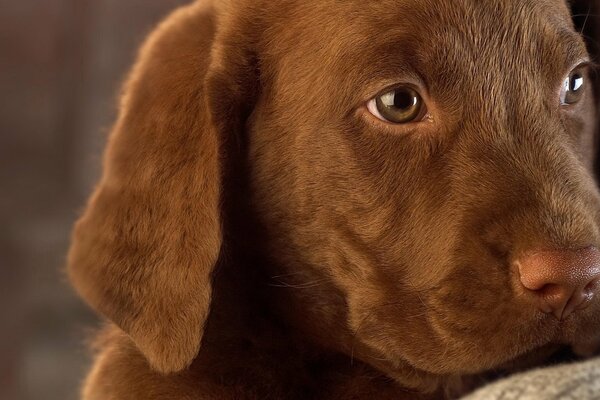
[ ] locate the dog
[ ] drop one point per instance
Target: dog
(325, 199)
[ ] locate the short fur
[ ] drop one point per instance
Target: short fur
(256, 235)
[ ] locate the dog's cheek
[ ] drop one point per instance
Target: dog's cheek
(581, 136)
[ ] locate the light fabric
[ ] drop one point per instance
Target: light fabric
(578, 381)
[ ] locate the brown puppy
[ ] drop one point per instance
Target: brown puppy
(343, 200)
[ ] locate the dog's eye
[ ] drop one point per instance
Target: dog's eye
(399, 105)
(573, 88)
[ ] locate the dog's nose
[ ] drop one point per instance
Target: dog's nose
(562, 280)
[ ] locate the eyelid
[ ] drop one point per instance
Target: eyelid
(379, 84)
(586, 64)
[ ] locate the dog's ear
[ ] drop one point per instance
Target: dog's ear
(144, 250)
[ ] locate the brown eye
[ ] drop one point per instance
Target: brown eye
(399, 106)
(573, 88)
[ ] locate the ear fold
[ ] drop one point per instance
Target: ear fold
(144, 250)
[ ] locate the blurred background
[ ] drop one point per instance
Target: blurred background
(61, 66)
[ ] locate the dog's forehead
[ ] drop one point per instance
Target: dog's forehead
(369, 42)
(494, 48)
(471, 32)
(471, 16)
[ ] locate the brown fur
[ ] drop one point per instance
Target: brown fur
(256, 236)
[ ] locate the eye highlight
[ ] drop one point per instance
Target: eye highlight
(573, 88)
(399, 105)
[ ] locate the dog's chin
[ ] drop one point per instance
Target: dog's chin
(530, 359)
(574, 338)
(535, 341)
(459, 384)
(579, 334)
(564, 341)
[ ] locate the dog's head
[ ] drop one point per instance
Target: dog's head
(412, 165)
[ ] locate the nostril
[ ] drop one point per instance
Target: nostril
(588, 293)
(591, 287)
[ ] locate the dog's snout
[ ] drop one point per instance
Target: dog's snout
(562, 281)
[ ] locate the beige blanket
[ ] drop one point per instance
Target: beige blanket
(579, 381)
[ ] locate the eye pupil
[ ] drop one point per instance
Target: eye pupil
(576, 82)
(403, 99)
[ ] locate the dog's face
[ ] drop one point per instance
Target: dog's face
(403, 156)
(416, 212)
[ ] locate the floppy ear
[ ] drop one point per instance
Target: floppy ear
(144, 250)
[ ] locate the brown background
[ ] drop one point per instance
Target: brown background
(61, 63)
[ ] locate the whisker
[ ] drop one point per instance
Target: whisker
(305, 285)
(586, 18)
(585, 15)
(284, 275)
